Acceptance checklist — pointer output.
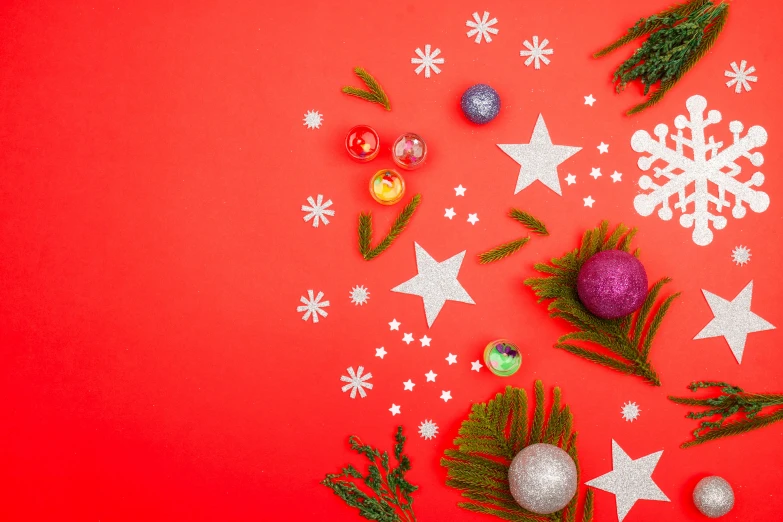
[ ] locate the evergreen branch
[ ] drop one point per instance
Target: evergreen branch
(502, 251)
(629, 347)
(488, 441)
(531, 223)
(375, 94)
(365, 230)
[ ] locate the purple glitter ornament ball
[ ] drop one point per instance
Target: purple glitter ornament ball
(612, 284)
(480, 103)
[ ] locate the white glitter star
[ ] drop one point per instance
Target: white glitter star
(603, 148)
(536, 52)
(460, 190)
(595, 172)
(312, 306)
(318, 210)
(476, 366)
(482, 27)
(630, 411)
(428, 429)
(430, 376)
(394, 324)
(407, 338)
(356, 382)
(740, 255)
(313, 119)
(427, 60)
(425, 341)
(589, 100)
(617, 177)
(446, 396)
(450, 213)
(570, 179)
(408, 385)
(452, 359)
(359, 295)
(589, 201)
(380, 352)
(740, 76)
(395, 409)
(473, 218)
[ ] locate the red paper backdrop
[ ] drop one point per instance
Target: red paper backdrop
(153, 164)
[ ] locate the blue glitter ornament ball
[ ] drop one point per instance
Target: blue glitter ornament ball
(481, 103)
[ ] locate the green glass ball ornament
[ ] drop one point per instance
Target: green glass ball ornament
(502, 357)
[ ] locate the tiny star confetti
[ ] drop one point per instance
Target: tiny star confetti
(395, 409)
(446, 396)
(380, 352)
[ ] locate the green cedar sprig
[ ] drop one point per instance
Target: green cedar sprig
(678, 38)
(628, 339)
(490, 438)
(388, 494)
(375, 93)
(733, 400)
(365, 230)
(529, 221)
(502, 251)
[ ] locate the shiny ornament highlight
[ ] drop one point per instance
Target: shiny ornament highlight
(612, 284)
(713, 497)
(542, 478)
(387, 187)
(362, 143)
(502, 357)
(480, 103)
(409, 151)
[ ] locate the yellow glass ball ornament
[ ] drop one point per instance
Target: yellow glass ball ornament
(387, 187)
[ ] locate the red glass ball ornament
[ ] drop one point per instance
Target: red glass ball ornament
(362, 143)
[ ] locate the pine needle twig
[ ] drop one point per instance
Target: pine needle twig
(365, 230)
(502, 251)
(732, 401)
(627, 340)
(488, 440)
(375, 94)
(531, 223)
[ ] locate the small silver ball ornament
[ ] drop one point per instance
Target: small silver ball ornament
(542, 478)
(480, 103)
(713, 496)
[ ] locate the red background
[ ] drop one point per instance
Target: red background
(153, 159)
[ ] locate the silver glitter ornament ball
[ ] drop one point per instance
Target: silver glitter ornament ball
(713, 496)
(481, 103)
(542, 478)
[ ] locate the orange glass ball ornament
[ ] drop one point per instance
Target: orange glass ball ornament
(387, 187)
(362, 143)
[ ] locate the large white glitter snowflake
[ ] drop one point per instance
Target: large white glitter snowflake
(359, 295)
(318, 210)
(427, 60)
(313, 119)
(428, 429)
(740, 255)
(706, 165)
(630, 411)
(740, 76)
(536, 52)
(312, 306)
(482, 27)
(357, 382)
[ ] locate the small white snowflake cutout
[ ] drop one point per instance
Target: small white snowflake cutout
(317, 210)
(312, 306)
(359, 295)
(740, 255)
(428, 429)
(740, 77)
(482, 27)
(427, 60)
(313, 119)
(357, 382)
(630, 411)
(536, 52)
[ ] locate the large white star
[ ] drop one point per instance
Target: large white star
(733, 320)
(630, 480)
(539, 158)
(436, 283)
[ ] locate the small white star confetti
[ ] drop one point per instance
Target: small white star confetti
(408, 385)
(617, 177)
(603, 148)
(536, 52)
(394, 324)
(630, 411)
(452, 359)
(740, 76)
(740, 255)
(450, 213)
(318, 210)
(482, 27)
(460, 190)
(428, 429)
(595, 172)
(359, 295)
(589, 201)
(446, 396)
(380, 352)
(395, 409)
(589, 100)
(357, 382)
(570, 179)
(407, 338)
(430, 375)
(425, 341)
(427, 60)
(476, 366)
(313, 306)
(473, 218)
(313, 119)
